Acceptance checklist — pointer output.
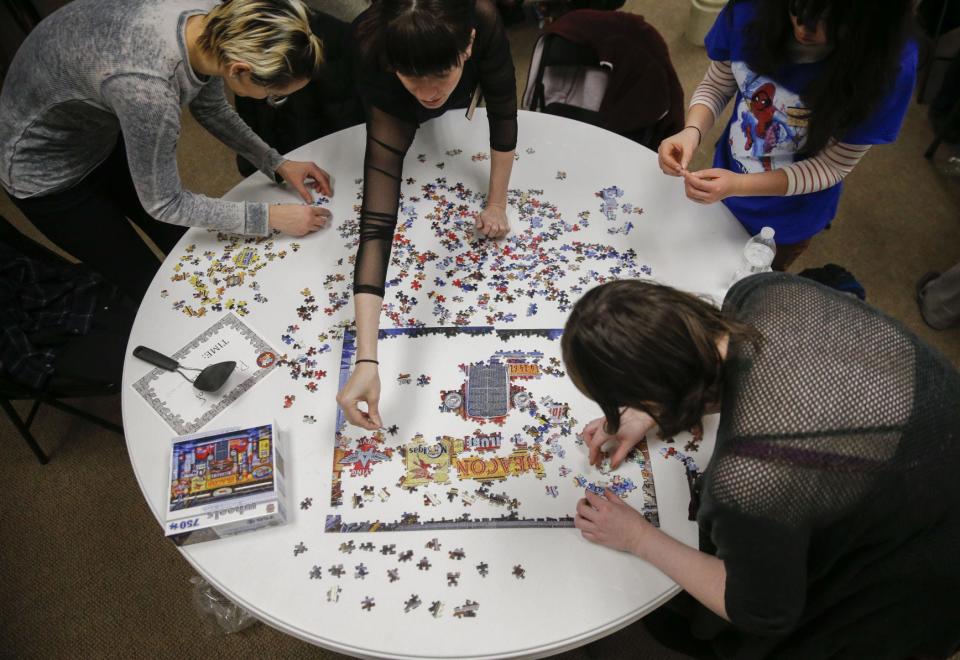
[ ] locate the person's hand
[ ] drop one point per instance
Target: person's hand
(676, 151)
(492, 221)
(363, 385)
(709, 186)
(634, 425)
(612, 522)
(297, 219)
(297, 173)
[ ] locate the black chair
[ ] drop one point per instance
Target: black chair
(86, 365)
(936, 30)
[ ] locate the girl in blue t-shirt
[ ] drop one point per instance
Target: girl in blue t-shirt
(816, 83)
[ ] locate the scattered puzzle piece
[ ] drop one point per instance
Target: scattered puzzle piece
(483, 569)
(299, 549)
(367, 604)
(519, 572)
(393, 574)
(316, 573)
(412, 604)
(306, 503)
(453, 579)
(468, 609)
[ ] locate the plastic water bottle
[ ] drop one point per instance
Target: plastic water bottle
(758, 255)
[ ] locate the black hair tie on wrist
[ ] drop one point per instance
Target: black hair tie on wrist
(699, 133)
(359, 361)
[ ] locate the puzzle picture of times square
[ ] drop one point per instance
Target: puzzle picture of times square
(482, 431)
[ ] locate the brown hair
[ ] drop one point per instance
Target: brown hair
(647, 346)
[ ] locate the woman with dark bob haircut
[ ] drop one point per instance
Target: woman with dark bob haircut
(417, 59)
(829, 514)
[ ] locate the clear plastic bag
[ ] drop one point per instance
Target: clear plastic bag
(951, 167)
(222, 616)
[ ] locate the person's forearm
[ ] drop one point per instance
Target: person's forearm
(773, 183)
(701, 575)
(367, 308)
(700, 116)
(212, 111)
(716, 89)
(501, 166)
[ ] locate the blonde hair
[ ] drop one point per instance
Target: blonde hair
(273, 37)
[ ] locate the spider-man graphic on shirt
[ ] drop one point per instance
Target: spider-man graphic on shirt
(768, 138)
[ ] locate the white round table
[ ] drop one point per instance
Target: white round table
(572, 591)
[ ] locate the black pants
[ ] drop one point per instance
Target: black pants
(92, 221)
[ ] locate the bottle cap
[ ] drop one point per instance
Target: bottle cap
(767, 232)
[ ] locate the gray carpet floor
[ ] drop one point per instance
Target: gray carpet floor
(85, 571)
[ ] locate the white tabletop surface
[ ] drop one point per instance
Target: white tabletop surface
(573, 591)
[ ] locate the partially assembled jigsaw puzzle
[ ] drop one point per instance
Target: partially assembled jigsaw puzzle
(488, 439)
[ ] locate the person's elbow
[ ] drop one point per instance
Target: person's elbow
(168, 208)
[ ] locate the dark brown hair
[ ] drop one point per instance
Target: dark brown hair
(416, 37)
(868, 37)
(647, 346)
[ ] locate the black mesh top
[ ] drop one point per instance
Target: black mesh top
(833, 495)
(393, 116)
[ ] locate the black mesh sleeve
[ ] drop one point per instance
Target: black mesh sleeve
(497, 76)
(388, 139)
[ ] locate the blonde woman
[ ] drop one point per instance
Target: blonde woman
(90, 118)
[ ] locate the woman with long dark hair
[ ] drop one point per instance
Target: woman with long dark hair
(417, 59)
(90, 119)
(829, 514)
(816, 83)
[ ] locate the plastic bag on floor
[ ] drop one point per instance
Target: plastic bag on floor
(221, 615)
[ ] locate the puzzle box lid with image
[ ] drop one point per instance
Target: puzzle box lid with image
(225, 482)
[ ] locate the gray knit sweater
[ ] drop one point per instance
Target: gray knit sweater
(98, 68)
